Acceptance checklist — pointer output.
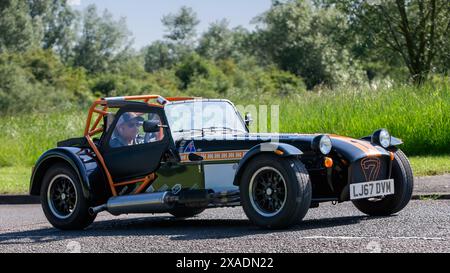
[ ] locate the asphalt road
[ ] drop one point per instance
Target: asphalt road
(424, 226)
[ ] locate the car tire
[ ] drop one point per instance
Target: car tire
(62, 199)
(275, 192)
(185, 212)
(404, 183)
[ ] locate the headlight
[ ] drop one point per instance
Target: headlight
(323, 144)
(382, 138)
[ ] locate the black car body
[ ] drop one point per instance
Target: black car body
(186, 170)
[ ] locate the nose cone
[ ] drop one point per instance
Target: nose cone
(355, 149)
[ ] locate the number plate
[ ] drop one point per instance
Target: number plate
(371, 189)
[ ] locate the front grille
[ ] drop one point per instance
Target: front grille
(370, 169)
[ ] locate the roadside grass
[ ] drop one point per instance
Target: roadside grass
(25, 137)
(14, 180)
(432, 197)
(418, 116)
(430, 165)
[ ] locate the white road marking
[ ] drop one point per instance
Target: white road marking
(373, 238)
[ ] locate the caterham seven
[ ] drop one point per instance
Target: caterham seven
(149, 154)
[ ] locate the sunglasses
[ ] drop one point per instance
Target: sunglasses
(134, 124)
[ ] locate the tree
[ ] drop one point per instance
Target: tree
(17, 31)
(58, 25)
(417, 30)
(103, 43)
(47, 24)
(157, 56)
(306, 42)
(220, 42)
(180, 31)
(181, 27)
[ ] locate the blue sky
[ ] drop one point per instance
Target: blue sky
(144, 16)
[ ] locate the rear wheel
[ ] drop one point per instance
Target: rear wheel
(404, 183)
(275, 193)
(62, 199)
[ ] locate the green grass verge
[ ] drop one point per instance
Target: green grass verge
(15, 180)
(430, 165)
(25, 137)
(418, 116)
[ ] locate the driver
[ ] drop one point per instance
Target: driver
(127, 130)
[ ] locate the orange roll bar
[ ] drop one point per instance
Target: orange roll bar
(89, 132)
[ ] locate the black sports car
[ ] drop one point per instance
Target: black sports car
(184, 155)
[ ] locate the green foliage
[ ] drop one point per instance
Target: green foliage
(192, 66)
(103, 43)
(158, 56)
(37, 23)
(17, 31)
(37, 80)
(414, 31)
(56, 25)
(286, 84)
(111, 85)
(220, 42)
(181, 27)
(305, 41)
(180, 31)
(227, 78)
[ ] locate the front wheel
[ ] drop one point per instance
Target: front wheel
(62, 199)
(404, 183)
(275, 193)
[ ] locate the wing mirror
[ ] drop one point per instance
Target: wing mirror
(248, 119)
(151, 126)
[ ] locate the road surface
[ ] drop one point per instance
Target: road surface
(424, 226)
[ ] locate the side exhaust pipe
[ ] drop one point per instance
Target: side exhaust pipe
(96, 210)
(160, 202)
